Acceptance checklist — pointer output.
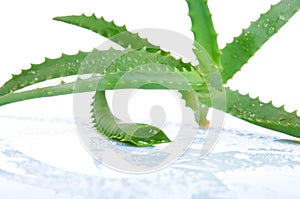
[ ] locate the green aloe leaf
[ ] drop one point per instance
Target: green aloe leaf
(243, 47)
(137, 134)
(206, 36)
(64, 66)
(193, 101)
(262, 114)
(203, 28)
(108, 29)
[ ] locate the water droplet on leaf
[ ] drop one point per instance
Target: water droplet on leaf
(245, 48)
(281, 17)
(271, 30)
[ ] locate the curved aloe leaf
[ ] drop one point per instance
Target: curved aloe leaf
(243, 47)
(137, 134)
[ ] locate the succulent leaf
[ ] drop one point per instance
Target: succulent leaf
(262, 114)
(203, 28)
(242, 48)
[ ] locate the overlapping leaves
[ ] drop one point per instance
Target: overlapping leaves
(229, 60)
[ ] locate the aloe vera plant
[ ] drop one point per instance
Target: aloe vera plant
(139, 51)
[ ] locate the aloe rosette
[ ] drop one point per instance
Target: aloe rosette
(228, 61)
